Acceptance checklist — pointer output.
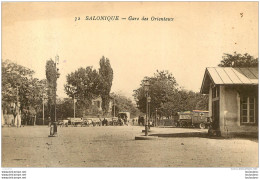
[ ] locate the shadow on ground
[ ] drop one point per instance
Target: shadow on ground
(205, 135)
(190, 134)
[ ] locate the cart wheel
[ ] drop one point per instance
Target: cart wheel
(180, 124)
(202, 126)
(183, 124)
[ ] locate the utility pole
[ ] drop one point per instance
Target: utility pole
(114, 108)
(146, 120)
(74, 105)
(148, 109)
(42, 110)
(17, 107)
(156, 117)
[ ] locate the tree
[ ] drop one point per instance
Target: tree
(167, 98)
(19, 86)
(38, 91)
(238, 60)
(51, 77)
(163, 88)
(65, 108)
(15, 87)
(84, 85)
(123, 103)
(15, 81)
(106, 77)
(189, 100)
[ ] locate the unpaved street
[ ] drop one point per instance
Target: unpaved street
(115, 147)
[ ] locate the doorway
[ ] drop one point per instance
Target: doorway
(215, 115)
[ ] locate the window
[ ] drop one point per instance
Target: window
(248, 107)
(215, 92)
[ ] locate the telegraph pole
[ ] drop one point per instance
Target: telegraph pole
(74, 105)
(114, 108)
(17, 107)
(42, 110)
(156, 117)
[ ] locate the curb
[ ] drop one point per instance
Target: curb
(148, 131)
(146, 137)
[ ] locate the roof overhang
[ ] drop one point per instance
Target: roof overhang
(228, 76)
(207, 80)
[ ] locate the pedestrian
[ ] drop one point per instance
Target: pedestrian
(49, 120)
(100, 121)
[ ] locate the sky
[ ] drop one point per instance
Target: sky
(198, 36)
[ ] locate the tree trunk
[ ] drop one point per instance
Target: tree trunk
(34, 121)
(3, 120)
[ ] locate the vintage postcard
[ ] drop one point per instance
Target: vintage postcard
(129, 84)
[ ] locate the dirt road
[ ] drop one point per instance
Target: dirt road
(115, 147)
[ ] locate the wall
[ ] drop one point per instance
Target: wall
(210, 102)
(222, 108)
(230, 114)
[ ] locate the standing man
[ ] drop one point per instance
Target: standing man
(49, 120)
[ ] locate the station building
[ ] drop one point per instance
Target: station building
(233, 99)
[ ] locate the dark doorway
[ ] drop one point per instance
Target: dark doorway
(215, 115)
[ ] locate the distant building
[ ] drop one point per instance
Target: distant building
(233, 99)
(98, 103)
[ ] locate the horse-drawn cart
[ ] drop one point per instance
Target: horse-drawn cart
(86, 122)
(96, 122)
(76, 121)
(63, 122)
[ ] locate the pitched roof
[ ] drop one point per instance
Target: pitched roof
(229, 76)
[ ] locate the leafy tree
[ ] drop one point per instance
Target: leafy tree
(93, 110)
(122, 103)
(51, 76)
(106, 77)
(84, 85)
(163, 87)
(238, 60)
(15, 87)
(167, 98)
(38, 92)
(65, 108)
(189, 100)
(15, 80)
(19, 86)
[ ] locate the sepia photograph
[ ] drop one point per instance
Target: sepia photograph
(129, 85)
